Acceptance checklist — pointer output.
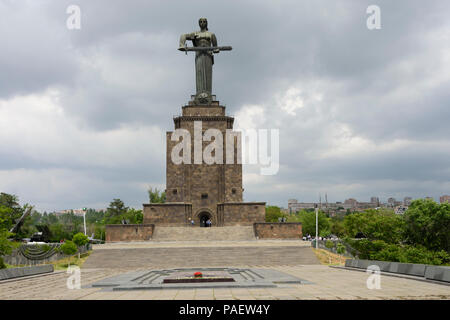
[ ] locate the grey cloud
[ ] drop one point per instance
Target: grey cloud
(122, 70)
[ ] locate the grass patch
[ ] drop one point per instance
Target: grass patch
(8, 266)
(329, 258)
(73, 261)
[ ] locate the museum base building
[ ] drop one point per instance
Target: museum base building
(202, 192)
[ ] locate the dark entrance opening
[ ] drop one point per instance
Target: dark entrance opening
(204, 216)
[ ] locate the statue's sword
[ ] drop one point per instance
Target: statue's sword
(186, 49)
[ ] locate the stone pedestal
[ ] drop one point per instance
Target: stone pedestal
(204, 191)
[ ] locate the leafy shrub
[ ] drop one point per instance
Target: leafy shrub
(389, 253)
(2, 264)
(69, 248)
(366, 248)
(381, 251)
(273, 213)
(80, 239)
(329, 244)
(340, 248)
(443, 256)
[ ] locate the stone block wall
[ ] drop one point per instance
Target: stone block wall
(241, 213)
(280, 230)
(129, 232)
(167, 214)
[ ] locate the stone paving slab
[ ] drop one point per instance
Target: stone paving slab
(328, 283)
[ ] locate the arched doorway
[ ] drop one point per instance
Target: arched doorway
(203, 217)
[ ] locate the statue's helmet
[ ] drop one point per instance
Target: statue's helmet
(203, 23)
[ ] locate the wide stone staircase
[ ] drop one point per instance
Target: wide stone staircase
(235, 233)
(181, 247)
(183, 257)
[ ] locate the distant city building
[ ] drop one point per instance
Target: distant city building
(77, 212)
(375, 201)
(330, 207)
(295, 206)
(444, 198)
(429, 198)
(350, 202)
(407, 201)
(391, 202)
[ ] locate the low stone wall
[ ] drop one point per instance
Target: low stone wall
(278, 230)
(241, 213)
(439, 273)
(25, 271)
(129, 232)
(21, 256)
(170, 214)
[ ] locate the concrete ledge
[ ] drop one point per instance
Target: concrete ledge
(440, 273)
(25, 271)
(396, 275)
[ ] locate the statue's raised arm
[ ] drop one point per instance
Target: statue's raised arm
(183, 38)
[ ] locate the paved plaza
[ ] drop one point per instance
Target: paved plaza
(324, 282)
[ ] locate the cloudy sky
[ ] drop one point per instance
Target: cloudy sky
(83, 113)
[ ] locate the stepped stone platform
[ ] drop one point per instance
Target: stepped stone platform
(155, 279)
(201, 254)
(203, 234)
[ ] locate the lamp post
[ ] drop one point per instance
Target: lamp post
(84, 220)
(317, 225)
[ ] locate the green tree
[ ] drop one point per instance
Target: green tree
(10, 210)
(116, 208)
(156, 196)
(5, 244)
(59, 232)
(80, 239)
(337, 227)
(308, 220)
(375, 225)
(427, 223)
(5, 217)
(273, 213)
(135, 216)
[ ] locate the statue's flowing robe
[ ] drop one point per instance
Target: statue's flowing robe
(203, 71)
(204, 60)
